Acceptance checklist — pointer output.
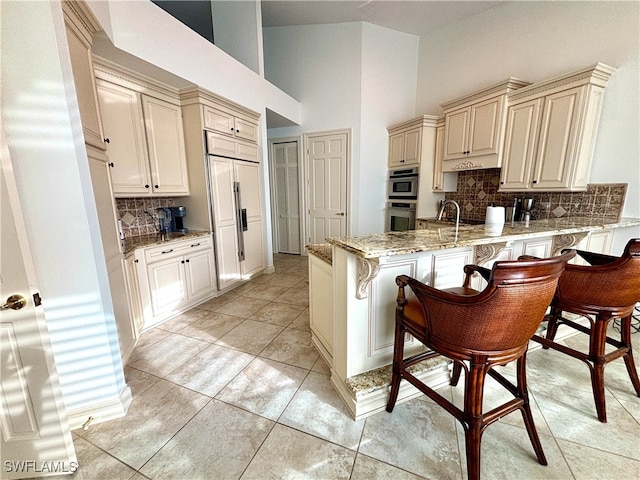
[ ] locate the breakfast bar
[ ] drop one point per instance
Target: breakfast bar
(353, 290)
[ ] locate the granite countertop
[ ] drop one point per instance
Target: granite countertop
(323, 251)
(438, 238)
(140, 241)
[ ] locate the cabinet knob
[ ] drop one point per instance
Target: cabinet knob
(187, 260)
(181, 261)
(535, 181)
(238, 130)
(501, 183)
(146, 186)
(111, 164)
(156, 186)
(106, 140)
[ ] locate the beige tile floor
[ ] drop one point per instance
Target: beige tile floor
(234, 389)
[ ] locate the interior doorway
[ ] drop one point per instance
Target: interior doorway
(286, 179)
(327, 171)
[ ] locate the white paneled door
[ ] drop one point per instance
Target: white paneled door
(286, 196)
(36, 439)
(327, 162)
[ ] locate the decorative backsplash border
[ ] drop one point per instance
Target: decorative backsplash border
(477, 189)
(139, 215)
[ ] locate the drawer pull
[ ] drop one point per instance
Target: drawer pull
(196, 244)
(167, 251)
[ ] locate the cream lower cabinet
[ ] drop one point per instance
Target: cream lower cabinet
(321, 306)
(106, 210)
(174, 276)
(145, 140)
(551, 132)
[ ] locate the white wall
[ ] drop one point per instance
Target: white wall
(237, 29)
(389, 81)
(41, 119)
(144, 30)
(348, 76)
(538, 40)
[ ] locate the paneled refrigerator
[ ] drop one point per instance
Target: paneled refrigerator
(237, 218)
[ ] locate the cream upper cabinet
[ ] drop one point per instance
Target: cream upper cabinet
(80, 26)
(473, 131)
(438, 174)
(227, 123)
(124, 123)
(474, 128)
(165, 144)
(551, 132)
(522, 131)
(405, 148)
(145, 138)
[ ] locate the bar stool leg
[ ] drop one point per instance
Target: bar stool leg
(625, 337)
(596, 356)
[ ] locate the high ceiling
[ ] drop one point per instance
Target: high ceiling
(416, 17)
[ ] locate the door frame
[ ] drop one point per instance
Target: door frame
(306, 137)
(301, 191)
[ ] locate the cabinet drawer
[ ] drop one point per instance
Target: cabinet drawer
(177, 248)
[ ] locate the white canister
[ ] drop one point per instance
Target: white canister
(494, 221)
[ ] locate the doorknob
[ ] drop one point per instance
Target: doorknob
(341, 214)
(14, 302)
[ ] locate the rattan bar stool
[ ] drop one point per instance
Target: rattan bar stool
(477, 330)
(607, 289)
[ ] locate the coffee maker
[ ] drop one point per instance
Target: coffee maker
(164, 220)
(177, 214)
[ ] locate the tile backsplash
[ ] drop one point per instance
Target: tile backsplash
(139, 215)
(477, 189)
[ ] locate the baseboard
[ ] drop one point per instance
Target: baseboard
(363, 405)
(100, 412)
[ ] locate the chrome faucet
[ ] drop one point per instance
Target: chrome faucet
(444, 204)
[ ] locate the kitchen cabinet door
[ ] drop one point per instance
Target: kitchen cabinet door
(79, 40)
(133, 293)
(167, 285)
(456, 134)
(404, 148)
(123, 123)
(474, 131)
(556, 146)
(199, 273)
(165, 146)
(438, 175)
(228, 124)
(520, 145)
(484, 129)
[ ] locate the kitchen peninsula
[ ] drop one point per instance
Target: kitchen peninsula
(353, 291)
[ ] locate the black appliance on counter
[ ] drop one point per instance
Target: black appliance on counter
(177, 214)
(170, 220)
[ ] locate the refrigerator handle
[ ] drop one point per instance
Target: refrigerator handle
(243, 217)
(239, 220)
